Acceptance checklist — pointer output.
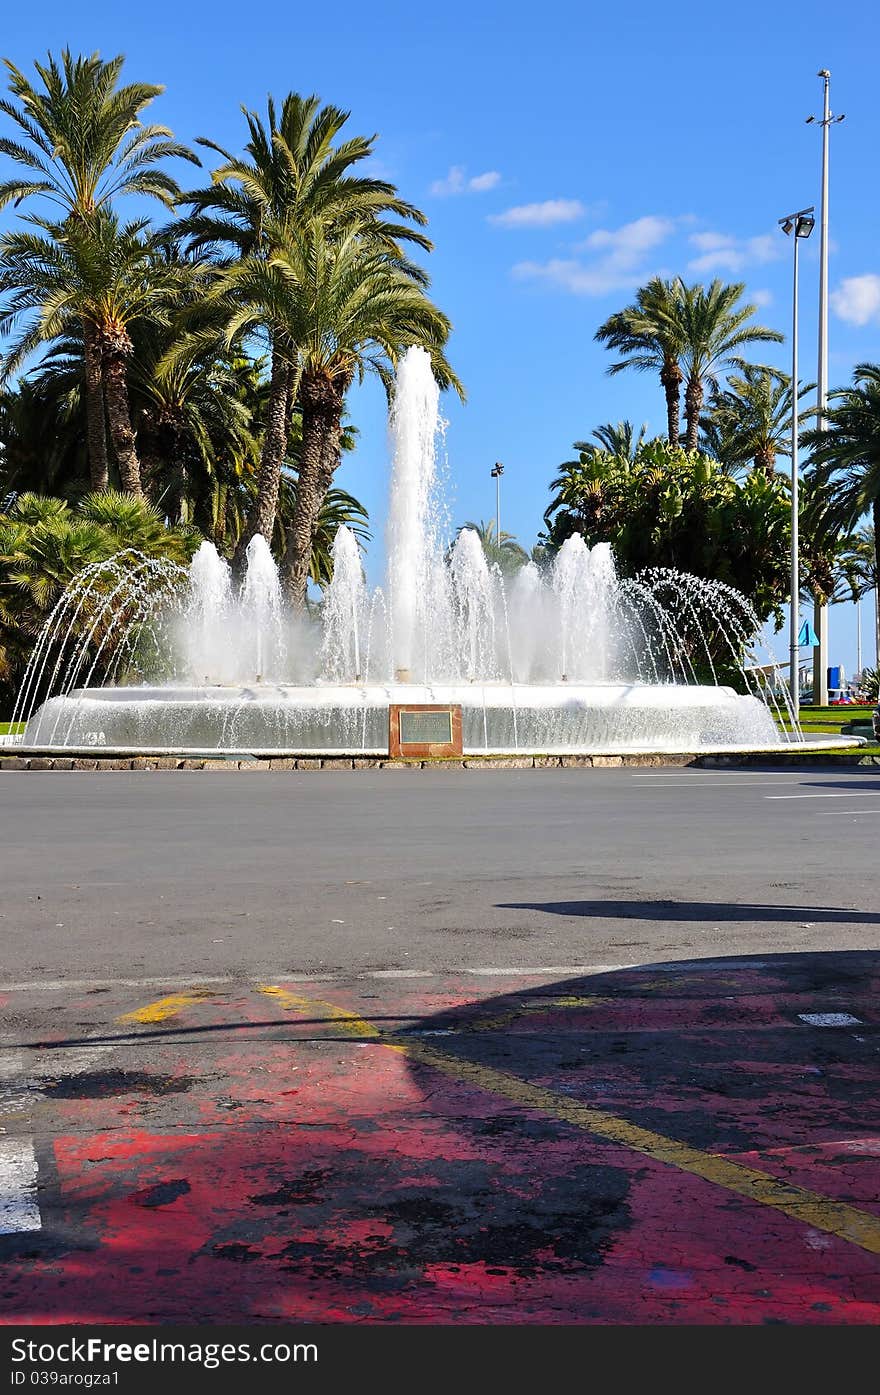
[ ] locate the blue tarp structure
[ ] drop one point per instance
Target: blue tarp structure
(807, 635)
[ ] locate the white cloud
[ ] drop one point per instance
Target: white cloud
(711, 241)
(761, 298)
(574, 276)
(483, 182)
(857, 299)
(620, 265)
(540, 215)
(629, 242)
(457, 182)
(723, 252)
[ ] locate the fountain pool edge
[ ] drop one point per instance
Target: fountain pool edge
(16, 756)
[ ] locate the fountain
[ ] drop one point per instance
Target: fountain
(142, 656)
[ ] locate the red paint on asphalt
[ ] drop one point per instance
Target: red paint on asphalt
(331, 1180)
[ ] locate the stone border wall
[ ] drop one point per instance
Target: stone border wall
(731, 761)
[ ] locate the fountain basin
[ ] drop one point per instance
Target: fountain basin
(342, 719)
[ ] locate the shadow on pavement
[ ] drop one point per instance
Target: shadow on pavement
(707, 911)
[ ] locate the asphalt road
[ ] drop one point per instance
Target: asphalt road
(187, 873)
(478, 1113)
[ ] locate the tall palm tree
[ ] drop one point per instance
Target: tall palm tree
(713, 329)
(79, 144)
(749, 420)
(357, 308)
(293, 172)
(350, 307)
(846, 453)
(647, 336)
(103, 276)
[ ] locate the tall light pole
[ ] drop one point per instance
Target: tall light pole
(801, 224)
(820, 612)
(497, 472)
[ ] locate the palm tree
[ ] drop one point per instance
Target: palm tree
(646, 335)
(189, 421)
(43, 446)
(502, 550)
(863, 576)
(713, 328)
(861, 562)
(825, 548)
(846, 452)
(350, 306)
(291, 175)
(749, 421)
(80, 143)
(103, 277)
(617, 438)
(360, 307)
(44, 544)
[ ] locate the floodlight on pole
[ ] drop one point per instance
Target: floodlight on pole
(801, 224)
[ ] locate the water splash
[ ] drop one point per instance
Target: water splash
(345, 613)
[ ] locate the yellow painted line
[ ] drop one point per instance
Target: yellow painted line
(294, 1002)
(163, 1008)
(822, 1213)
(503, 1019)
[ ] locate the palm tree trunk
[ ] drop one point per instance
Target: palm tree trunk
(693, 406)
(671, 380)
(219, 519)
(95, 433)
(119, 419)
(331, 451)
(317, 400)
(261, 518)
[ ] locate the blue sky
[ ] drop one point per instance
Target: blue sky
(563, 153)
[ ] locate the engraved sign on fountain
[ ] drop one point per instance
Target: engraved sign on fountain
(141, 655)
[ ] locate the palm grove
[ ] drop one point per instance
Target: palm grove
(176, 363)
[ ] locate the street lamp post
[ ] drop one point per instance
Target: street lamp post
(497, 472)
(801, 224)
(820, 612)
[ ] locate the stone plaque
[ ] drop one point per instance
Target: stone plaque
(425, 728)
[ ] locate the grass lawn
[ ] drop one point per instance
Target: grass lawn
(11, 728)
(828, 721)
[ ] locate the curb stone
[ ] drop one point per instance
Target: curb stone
(733, 761)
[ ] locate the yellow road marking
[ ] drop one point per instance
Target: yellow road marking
(163, 1008)
(503, 1019)
(834, 1217)
(350, 1020)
